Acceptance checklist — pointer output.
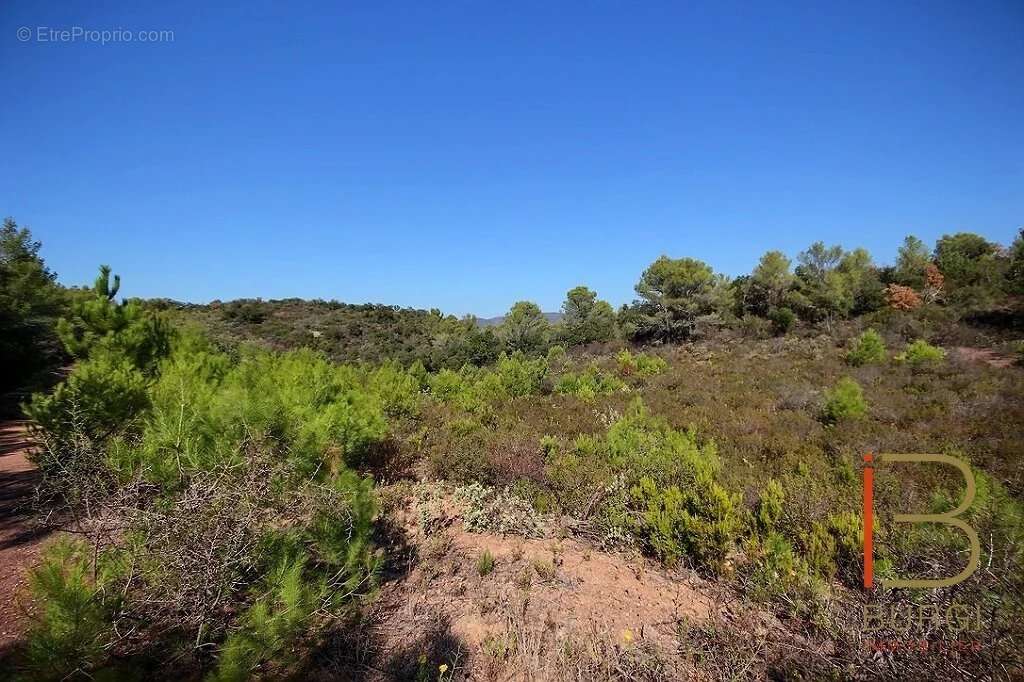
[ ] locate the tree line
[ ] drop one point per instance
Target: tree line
(677, 299)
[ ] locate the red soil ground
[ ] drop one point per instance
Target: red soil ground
(20, 539)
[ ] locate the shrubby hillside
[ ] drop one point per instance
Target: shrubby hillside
(963, 279)
(308, 489)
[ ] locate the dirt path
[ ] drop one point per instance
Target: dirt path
(20, 540)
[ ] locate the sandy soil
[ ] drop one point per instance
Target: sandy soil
(550, 591)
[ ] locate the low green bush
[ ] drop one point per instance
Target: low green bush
(250, 458)
(782, 320)
(485, 563)
(702, 523)
(819, 546)
(556, 355)
(781, 575)
(447, 385)
(74, 626)
(647, 480)
(519, 375)
(398, 391)
(847, 529)
(588, 384)
(844, 401)
(204, 406)
(777, 563)
(270, 628)
(868, 348)
(473, 389)
(920, 353)
(769, 507)
(639, 364)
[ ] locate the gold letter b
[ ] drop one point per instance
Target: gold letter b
(948, 518)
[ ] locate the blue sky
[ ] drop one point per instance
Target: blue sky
(464, 155)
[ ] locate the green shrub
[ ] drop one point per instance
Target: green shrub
(447, 385)
(782, 319)
(640, 364)
(339, 532)
(645, 480)
(419, 372)
(769, 508)
(848, 530)
(74, 627)
(549, 445)
(588, 384)
(868, 348)
(674, 522)
(204, 407)
(248, 457)
(485, 563)
(778, 563)
(520, 376)
(474, 389)
(102, 396)
(820, 549)
(272, 625)
(844, 401)
(556, 355)
(397, 390)
(683, 510)
(921, 353)
(781, 574)
(645, 445)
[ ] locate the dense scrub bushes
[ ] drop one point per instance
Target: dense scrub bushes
(645, 478)
(639, 364)
(473, 389)
(216, 492)
(318, 416)
(589, 383)
(233, 473)
(476, 389)
(102, 395)
(235, 502)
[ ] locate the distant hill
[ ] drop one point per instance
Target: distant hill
(347, 333)
(495, 321)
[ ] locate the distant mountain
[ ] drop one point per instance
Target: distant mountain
(495, 321)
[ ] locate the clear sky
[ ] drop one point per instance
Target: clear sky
(464, 155)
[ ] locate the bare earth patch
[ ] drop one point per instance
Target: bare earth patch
(986, 355)
(20, 539)
(554, 608)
